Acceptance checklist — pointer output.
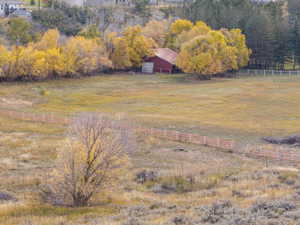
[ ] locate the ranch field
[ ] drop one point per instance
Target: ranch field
(193, 184)
(243, 109)
(226, 187)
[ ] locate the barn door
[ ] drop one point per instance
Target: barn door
(148, 67)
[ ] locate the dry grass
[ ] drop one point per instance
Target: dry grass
(47, 215)
(240, 108)
(220, 175)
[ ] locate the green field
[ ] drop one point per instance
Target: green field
(237, 108)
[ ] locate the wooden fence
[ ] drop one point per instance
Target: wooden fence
(159, 133)
(276, 153)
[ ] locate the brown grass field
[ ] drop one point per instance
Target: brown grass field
(245, 108)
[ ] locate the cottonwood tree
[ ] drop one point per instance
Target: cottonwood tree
(177, 27)
(132, 47)
(200, 28)
(4, 59)
(157, 30)
(84, 56)
(94, 156)
(211, 52)
(120, 56)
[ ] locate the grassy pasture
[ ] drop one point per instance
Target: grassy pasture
(230, 107)
(28, 150)
(245, 108)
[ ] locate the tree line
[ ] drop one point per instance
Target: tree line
(272, 28)
(202, 50)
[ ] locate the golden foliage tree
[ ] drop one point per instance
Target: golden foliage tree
(180, 25)
(235, 38)
(85, 56)
(4, 59)
(200, 28)
(157, 30)
(139, 46)
(49, 40)
(177, 27)
(120, 56)
(206, 52)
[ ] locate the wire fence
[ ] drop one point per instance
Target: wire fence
(265, 73)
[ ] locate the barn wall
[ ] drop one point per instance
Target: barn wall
(160, 65)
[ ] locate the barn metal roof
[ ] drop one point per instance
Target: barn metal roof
(166, 54)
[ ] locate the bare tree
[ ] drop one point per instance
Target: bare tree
(92, 158)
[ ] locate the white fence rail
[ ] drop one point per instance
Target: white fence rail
(249, 72)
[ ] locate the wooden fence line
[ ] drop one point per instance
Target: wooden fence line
(225, 144)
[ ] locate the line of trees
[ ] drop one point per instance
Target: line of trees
(272, 28)
(51, 58)
(202, 50)
(54, 55)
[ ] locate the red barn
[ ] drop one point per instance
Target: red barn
(163, 61)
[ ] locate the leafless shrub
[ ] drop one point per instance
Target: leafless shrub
(94, 156)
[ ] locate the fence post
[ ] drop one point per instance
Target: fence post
(204, 140)
(218, 143)
(23, 116)
(166, 133)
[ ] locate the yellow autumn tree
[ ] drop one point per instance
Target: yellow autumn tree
(206, 55)
(139, 46)
(84, 56)
(120, 56)
(205, 52)
(49, 40)
(39, 69)
(235, 38)
(180, 25)
(22, 61)
(4, 60)
(12, 71)
(157, 30)
(177, 27)
(54, 61)
(108, 40)
(200, 28)
(50, 60)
